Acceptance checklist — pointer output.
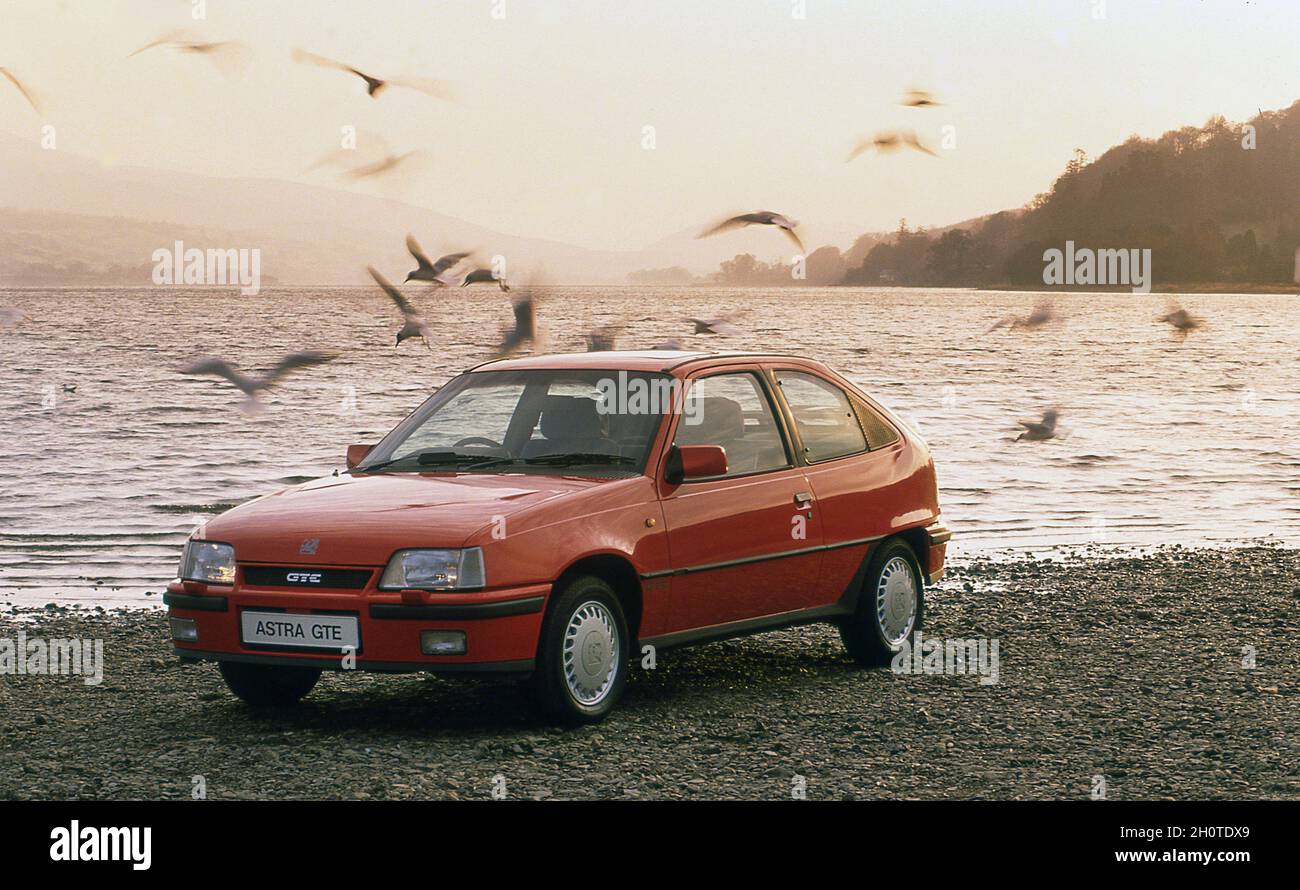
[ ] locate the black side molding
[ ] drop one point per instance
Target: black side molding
(195, 603)
(456, 611)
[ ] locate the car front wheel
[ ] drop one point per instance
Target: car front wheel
(890, 608)
(582, 656)
(269, 684)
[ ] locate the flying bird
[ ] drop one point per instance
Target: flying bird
(720, 325)
(604, 338)
(226, 55)
(18, 84)
(484, 276)
(10, 318)
(413, 324)
(525, 329)
(386, 164)
(1042, 314)
(757, 218)
(253, 386)
(1182, 321)
(919, 99)
(1039, 431)
(376, 85)
(889, 141)
(435, 272)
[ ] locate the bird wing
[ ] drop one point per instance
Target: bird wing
(293, 361)
(413, 247)
(448, 262)
(393, 294)
(439, 89)
(9, 76)
(726, 225)
(171, 37)
(220, 368)
(858, 150)
(301, 55)
(913, 140)
(794, 236)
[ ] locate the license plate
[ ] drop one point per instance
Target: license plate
(332, 633)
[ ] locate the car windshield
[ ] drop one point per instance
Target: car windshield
(591, 422)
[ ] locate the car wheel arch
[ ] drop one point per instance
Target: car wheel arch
(616, 570)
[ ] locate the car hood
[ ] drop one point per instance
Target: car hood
(362, 520)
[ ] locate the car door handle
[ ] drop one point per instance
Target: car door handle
(802, 500)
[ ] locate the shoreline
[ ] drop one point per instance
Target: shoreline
(1117, 665)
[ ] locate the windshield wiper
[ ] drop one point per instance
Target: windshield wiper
(577, 458)
(436, 458)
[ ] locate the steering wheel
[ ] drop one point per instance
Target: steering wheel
(479, 440)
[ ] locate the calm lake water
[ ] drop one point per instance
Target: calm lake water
(1163, 440)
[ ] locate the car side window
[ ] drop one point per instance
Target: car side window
(827, 421)
(733, 411)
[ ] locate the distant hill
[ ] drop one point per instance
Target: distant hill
(1217, 203)
(68, 220)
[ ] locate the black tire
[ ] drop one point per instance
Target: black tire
(267, 685)
(551, 688)
(862, 633)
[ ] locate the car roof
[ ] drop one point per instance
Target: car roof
(661, 360)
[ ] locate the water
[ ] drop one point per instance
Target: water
(1164, 441)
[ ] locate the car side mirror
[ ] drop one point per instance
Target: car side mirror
(694, 462)
(357, 453)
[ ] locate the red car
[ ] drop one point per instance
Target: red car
(558, 515)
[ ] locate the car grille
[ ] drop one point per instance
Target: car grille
(306, 577)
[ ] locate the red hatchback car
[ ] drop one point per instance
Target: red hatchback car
(557, 515)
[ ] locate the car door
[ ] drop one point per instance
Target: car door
(849, 472)
(746, 544)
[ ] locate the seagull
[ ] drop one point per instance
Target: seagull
(413, 324)
(225, 54)
(1041, 430)
(374, 85)
(604, 338)
(10, 318)
(757, 218)
(385, 165)
(720, 325)
(484, 276)
(1182, 321)
(431, 272)
(525, 329)
(252, 386)
(9, 76)
(1041, 315)
(889, 141)
(915, 98)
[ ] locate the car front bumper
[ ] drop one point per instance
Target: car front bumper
(501, 627)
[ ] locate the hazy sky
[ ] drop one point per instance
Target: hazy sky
(752, 107)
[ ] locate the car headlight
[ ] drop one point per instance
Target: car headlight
(209, 562)
(434, 570)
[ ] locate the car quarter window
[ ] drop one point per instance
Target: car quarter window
(824, 415)
(733, 410)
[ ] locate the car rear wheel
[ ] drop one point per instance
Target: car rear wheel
(891, 606)
(582, 656)
(264, 685)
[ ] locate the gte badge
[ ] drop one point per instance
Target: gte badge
(309, 546)
(303, 577)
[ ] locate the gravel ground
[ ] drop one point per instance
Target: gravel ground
(1124, 666)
